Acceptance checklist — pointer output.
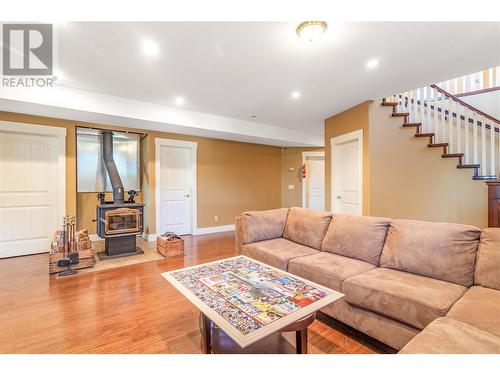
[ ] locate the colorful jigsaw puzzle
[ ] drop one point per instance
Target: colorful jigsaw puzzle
(247, 294)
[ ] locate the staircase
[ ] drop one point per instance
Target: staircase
(460, 130)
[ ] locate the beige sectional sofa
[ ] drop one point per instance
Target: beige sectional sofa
(412, 285)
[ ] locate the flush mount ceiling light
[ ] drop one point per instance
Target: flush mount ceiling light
(372, 64)
(311, 30)
(296, 94)
(179, 100)
(150, 48)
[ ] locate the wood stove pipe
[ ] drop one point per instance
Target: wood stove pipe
(109, 162)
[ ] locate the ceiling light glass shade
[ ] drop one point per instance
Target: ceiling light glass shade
(311, 30)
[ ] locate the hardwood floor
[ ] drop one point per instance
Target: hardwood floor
(131, 309)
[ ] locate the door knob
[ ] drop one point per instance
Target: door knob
(187, 195)
(339, 197)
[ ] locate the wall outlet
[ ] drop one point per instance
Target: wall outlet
(291, 187)
(291, 169)
(216, 218)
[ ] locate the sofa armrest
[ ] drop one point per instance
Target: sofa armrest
(253, 226)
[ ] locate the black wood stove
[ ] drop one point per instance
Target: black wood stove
(118, 222)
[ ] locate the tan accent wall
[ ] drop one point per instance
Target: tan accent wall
(232, 177)
(345, 122)
(291, 157)
(409, 180)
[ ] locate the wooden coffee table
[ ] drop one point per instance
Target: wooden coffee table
(245, 305)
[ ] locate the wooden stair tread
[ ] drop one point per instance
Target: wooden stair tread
(463, 166)
(424, 135)
(456, 155)
(412, 124)
(389, 104)
(398, 114)
(437, 145)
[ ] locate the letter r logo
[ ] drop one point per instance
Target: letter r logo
(27, 49)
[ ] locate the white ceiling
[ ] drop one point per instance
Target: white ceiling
(237, 70)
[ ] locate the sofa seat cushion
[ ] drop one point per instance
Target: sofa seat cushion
(359, 237)
(479, 307)
(448, 336)
(412, 299)
(328, 269)
(307, 227)
(439, 250)
(276, 252)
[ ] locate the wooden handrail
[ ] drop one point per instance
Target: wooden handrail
(477, 92)
(472, 108)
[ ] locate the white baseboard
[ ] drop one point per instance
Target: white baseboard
(150, 236)
(95, 237)
(218, 229)
(196, 232)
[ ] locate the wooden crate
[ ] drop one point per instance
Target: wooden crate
(169, 248)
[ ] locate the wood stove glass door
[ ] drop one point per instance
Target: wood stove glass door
(175, 189)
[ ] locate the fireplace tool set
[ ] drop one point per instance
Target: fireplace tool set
(66, 242)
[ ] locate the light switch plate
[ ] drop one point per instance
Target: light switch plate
(291, 169)
(291, 187)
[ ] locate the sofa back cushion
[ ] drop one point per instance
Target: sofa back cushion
(439, 250)
(262, 225)
(488, 259)
(307, 227)
(359, 237)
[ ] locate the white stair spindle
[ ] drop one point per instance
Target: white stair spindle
(411, 118)
(498, 150)
(422, 109)
(483, 147)
(492, 148)
(444, 106)
(466, 135)
(497, 76)
(451, 106)
(464, 84)
(458, 111)
(474, 138)
(437, 104)
(428, 109)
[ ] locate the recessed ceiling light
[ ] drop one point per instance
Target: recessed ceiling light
(311, 30)
(179, 100)
(296, 94)
(371, 64)
(150, 48)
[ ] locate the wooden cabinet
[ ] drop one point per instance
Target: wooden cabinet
(493, 204)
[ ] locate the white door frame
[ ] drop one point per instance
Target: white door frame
(335, 142)
(48, 131)
(192, 146)
(305, 154)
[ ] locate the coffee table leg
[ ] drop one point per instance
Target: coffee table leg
(205, 331)
(301, 341)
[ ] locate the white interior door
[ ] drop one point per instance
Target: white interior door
(175, 190)
(346, 176)
(315, 180)
(29, 189)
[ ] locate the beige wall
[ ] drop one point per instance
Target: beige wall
(345, 122)
(409, 180)
(291, 157)
(232, 177)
